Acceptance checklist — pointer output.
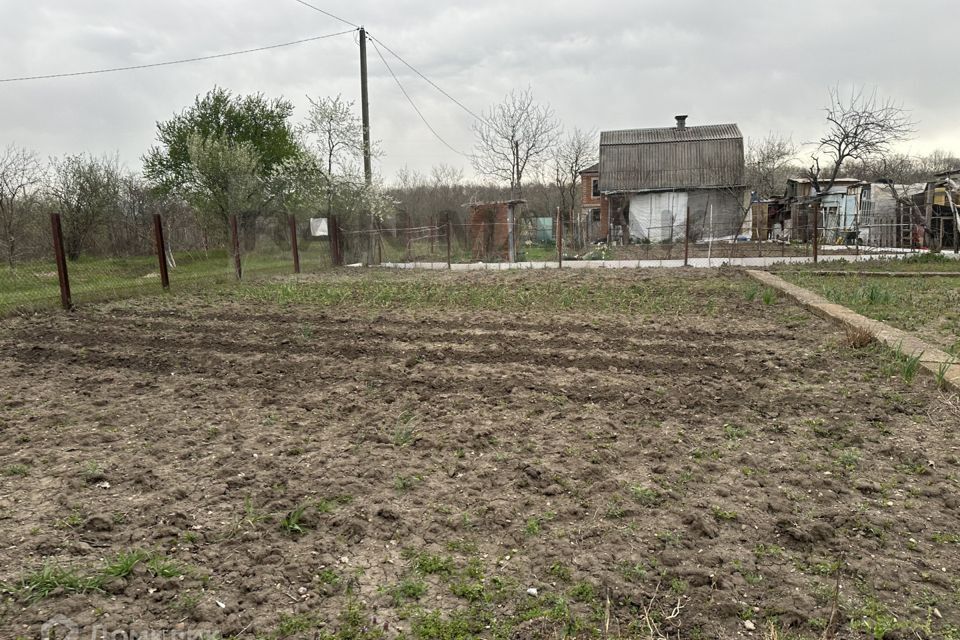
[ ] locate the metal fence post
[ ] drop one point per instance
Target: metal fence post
(336, 228)
(161, 251)
(293, 244)
(559, 239)
(61, 259)
(816, 231)
(449, 241)
(333, 236)
(686, 239)
(235, 241)
(331, 240)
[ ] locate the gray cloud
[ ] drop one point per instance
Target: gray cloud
(623, 63)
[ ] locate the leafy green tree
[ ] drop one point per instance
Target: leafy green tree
(224, 179)
(259, 124)
(298, 186)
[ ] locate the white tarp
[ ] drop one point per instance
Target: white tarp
(318, 227)
(658, 216)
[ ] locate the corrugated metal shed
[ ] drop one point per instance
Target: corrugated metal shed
(671, 158)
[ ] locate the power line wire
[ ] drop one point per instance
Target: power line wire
(327, 13)
(397, 56)
(173, 62)
(428, 80)
(413, 104)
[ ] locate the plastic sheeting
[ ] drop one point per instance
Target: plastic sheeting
(658, 217)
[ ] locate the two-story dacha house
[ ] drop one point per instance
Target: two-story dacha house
(647, 181)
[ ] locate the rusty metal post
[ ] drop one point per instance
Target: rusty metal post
(686, 239)
(339, 241)
(333, 235)
(161, 251)
(294, 247)
(331, 240)
(449, 242)
(559, 239)
(61, 259)
(816, 230)
(235, 242)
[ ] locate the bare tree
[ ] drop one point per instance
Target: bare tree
(20, 173)
(576, 151)
(514, 136)
(860, 127)
(86, 191)
(939, 161)
(768, 165)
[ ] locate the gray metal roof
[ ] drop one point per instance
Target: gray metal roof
(671, 134)
(671, 158)
(594, 168)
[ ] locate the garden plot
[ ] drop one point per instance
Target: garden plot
(498, 455)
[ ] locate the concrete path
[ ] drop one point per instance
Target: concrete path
(931, 358)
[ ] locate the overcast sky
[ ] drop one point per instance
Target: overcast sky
(764, 64)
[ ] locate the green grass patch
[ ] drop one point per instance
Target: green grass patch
(506, 291)
(56, 579)
(34, 285)
(928, 307)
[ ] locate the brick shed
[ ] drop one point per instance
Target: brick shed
(489, 229)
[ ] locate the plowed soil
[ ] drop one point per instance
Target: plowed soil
(367, 468)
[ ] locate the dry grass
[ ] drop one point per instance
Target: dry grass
(858, 338)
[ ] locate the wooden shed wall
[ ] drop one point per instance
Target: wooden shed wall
(671, 165)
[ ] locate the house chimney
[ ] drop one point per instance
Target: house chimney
(681, 122)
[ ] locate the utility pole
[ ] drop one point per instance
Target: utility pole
(365, 114)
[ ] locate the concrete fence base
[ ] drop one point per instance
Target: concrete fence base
(708, 263)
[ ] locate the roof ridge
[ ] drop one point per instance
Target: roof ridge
(675, 128)
(666, 135)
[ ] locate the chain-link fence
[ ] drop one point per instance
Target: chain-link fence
(152, 254)
(493, 234)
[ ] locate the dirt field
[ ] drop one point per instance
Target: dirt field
(413, 454)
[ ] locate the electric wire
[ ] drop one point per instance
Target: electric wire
(173, 62)
(428, 80)
(327, 13)
(413, 104)
(433, 84)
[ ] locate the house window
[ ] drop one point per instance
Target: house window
(595, 187)
(595, 215)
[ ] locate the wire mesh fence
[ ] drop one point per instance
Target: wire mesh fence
(154, 254)
(673, 241)
(150, 254)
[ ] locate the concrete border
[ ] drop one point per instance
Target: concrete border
(709, 263)
(931, 358)
(870, 274)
